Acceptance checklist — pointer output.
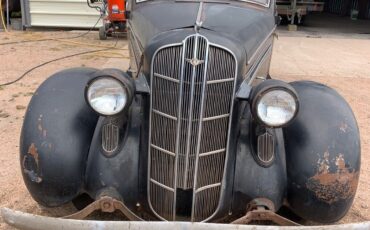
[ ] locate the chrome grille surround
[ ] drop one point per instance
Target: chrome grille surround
(192, 94)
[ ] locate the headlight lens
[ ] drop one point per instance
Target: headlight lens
(107, 96)
(276, 108)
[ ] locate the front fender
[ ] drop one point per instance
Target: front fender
(56, 135)
(323, 154)
(117, 175)
(252, 180)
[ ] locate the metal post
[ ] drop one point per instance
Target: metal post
(293, 7)
(294, 11)
(7, 14)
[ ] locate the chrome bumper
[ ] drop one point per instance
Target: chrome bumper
(28, 221)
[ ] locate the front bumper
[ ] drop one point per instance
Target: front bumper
(28, 221)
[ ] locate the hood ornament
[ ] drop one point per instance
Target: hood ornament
(195, 61)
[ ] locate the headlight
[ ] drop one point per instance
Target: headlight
(275, 103)
(107, 95)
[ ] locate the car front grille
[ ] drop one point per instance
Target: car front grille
(192, 88)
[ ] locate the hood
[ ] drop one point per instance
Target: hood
(248, 26)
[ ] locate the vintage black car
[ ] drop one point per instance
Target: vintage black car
(196, 130)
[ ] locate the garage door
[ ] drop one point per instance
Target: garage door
(59, 13)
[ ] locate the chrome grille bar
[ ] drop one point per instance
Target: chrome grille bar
(110, 137)
(192, 89)
(189, 139)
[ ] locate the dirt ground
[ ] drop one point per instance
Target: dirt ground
(341, 62)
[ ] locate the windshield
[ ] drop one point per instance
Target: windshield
(265, 3)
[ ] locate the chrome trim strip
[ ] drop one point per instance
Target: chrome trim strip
(188, 136)
(212, 152)
(200, 130)
(166, 78)
(220, 81)
(254, 69)
(263, 43)
(216, 117)
(137, 44)
(135, 37)
(161, 185)
(164, 114)
(163, 150)
(207, 187)
(179, 124)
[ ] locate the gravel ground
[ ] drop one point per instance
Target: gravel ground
(340, 62)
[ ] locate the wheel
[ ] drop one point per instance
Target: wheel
(102, 33)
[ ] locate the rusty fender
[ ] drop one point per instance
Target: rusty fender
(27, 221)
(323, 154)
(56, 136)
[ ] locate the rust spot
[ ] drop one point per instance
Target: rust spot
(32, 150)
(27, 167)
(331, 187)
(323, 164)
(340, 163)
(33, 176)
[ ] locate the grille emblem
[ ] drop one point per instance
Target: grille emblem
(195, 61)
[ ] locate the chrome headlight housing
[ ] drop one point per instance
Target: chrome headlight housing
(274, 103)
(109, 95)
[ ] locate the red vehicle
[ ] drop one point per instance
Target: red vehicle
(113, 13)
